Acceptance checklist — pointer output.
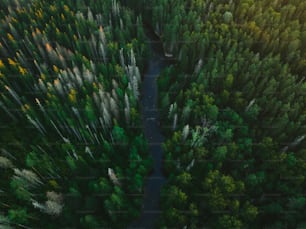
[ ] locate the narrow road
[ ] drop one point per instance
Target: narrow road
(150, 115)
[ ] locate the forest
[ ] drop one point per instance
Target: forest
(232, 106)
(69, 109)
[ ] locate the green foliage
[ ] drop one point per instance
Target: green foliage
(65, 69)
(245, 66)
(89, 222)
(228, 17)
(18, 216)
(234, 99)
(19, 188)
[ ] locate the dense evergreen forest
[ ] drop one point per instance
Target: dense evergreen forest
(232, 105)
(72, 152)
(234, 112)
